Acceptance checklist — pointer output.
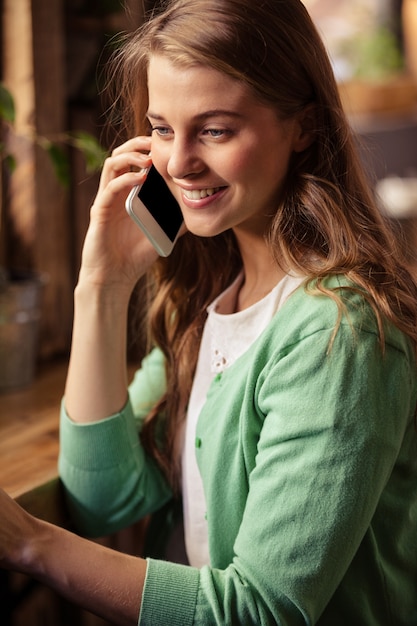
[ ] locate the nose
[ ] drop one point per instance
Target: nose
(184, 160)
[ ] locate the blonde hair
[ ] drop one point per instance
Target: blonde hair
(327, 208)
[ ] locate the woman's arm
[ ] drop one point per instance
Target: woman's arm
(115, 256)
(92, 576)
(97, 377)
(110, 481)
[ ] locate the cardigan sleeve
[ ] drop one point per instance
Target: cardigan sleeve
(109, 480)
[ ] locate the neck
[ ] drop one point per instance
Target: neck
(261, 272)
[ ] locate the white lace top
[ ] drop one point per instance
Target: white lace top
(225, 338)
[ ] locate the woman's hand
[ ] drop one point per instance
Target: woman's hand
(16, 527)
(101, 580)
(116, 252)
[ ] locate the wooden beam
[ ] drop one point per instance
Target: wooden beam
(18, 77)
(54, 224)
(37, 204)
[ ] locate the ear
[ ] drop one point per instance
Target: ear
(306, 123)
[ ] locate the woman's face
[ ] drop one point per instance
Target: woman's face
(223, 154)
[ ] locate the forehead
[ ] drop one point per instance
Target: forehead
(195, 86)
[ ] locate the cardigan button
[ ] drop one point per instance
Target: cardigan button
(197, 442)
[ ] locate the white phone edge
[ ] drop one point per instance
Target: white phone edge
(138, 212)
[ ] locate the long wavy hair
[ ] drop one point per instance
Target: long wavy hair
(327, 222)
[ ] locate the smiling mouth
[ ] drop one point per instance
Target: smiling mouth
(199, 194)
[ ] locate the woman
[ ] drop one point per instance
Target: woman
(279, 393)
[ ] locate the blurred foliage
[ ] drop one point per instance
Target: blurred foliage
(376, 55)
(60, 163)
(7, 108)
(93, 152)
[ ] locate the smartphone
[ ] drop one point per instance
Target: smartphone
(154, 209)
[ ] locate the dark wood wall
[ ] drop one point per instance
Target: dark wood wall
(52, 57)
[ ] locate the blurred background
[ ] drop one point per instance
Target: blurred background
(53, 55)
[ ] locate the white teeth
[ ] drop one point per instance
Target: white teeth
(199, 194)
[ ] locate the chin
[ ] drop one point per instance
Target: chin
(205, 232)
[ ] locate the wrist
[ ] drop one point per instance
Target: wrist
(115, 294)
(29, 558)
(103, 284)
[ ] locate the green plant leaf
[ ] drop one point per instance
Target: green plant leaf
(378, 55)
(7, 108)
(60, 163)
(93, 151)
(10, 162)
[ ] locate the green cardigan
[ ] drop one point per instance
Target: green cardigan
(309, 465)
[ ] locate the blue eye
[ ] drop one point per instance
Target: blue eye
(215, 132)
(161, 130)
(219, 134)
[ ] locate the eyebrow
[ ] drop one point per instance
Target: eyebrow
(202, 116)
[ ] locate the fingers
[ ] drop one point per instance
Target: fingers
(133, 154)
(130, 157)
(113, 251)
(136, 144)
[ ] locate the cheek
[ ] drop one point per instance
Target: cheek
(275, 162)
(240, 166)
(260, 159)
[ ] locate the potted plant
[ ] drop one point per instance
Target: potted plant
(380, 81)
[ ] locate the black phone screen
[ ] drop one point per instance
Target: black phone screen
(160, 202)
